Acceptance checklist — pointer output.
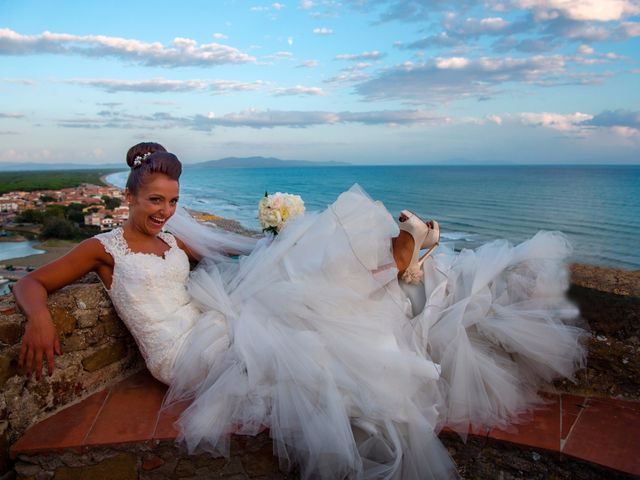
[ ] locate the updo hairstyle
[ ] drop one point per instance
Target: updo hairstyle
(147, 158)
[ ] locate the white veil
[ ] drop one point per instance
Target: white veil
(207, 240)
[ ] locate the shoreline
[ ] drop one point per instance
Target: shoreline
(51, 253)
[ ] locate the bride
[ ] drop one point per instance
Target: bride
(312, 335)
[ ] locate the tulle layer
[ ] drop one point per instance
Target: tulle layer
(305, 337)
(498, 321)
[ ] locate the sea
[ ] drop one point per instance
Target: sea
(18, 249)
(596, 206)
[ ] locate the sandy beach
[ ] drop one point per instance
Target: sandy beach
(51, 253)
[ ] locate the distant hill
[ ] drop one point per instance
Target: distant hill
(228, 162)
(262, 162)
(29, 166)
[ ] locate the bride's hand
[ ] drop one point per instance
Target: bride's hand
(40, 341)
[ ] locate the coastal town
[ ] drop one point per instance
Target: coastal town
(66, 214)
(102, 205)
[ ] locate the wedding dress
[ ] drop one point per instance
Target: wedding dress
(303, 337)
(312, 337)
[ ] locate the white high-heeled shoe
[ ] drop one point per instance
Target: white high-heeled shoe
(424, 236)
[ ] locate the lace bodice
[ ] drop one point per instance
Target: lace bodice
(150, 295)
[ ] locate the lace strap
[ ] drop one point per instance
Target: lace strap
(168, 238)
(113, 242)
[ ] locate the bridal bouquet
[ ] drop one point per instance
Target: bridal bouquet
(275, 209)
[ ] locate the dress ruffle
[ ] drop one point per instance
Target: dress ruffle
(312, 337)
(498, 321)
(305, 337)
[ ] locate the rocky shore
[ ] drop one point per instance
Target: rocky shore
(609, 302)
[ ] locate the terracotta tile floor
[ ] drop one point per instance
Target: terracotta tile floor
(601, 431)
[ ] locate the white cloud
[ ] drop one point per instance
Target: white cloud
(585, 49)
(182, 52)
(297, 119)
(581, 10)
(322, 31)
(12, 115)
(557, 121)
(164, 85)
(282, 55)
(254, 118)
(298, 90)
(445, 79)
(290, 40)
(630, 29)
(373, 55)
(353, 73)
(277, 6)
(39, 155)
(623, 124)
(306, 4)
(483, 26)
(309, 64)
(19, 81)
(220, 36)
(452, 63)
(497, 119)
(626, 132)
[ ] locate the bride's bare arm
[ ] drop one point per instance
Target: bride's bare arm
(40, 339)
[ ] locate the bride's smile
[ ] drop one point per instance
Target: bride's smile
(153, 204)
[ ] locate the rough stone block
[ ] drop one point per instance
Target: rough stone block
(11, 329)
(8, 307)
(120, 467)
(88, 296)
(184, 468)
(261, 462)
(73, 343)
(4, 447)
(64, 321)
(94, 335)
(8, 365)
(104, 356)
(151, 462)
(86, 318)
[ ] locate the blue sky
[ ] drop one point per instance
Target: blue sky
(362, 81)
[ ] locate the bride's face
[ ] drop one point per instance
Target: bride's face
(154, 203)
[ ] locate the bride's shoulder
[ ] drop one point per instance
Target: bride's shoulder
(183, 246)
(111, 243)
(94, 248)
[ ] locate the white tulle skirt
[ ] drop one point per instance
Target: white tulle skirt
(305, 337)
(311, 337)
(498, 322)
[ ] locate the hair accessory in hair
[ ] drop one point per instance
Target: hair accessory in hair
(139, 159)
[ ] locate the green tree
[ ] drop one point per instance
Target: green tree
(30, 216)
(47, 198)
(55, 211)
(74, 213)
(111, 202)
(58, 227)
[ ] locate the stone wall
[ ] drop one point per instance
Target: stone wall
(97, 350)
(609, 302)
(251, 458)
